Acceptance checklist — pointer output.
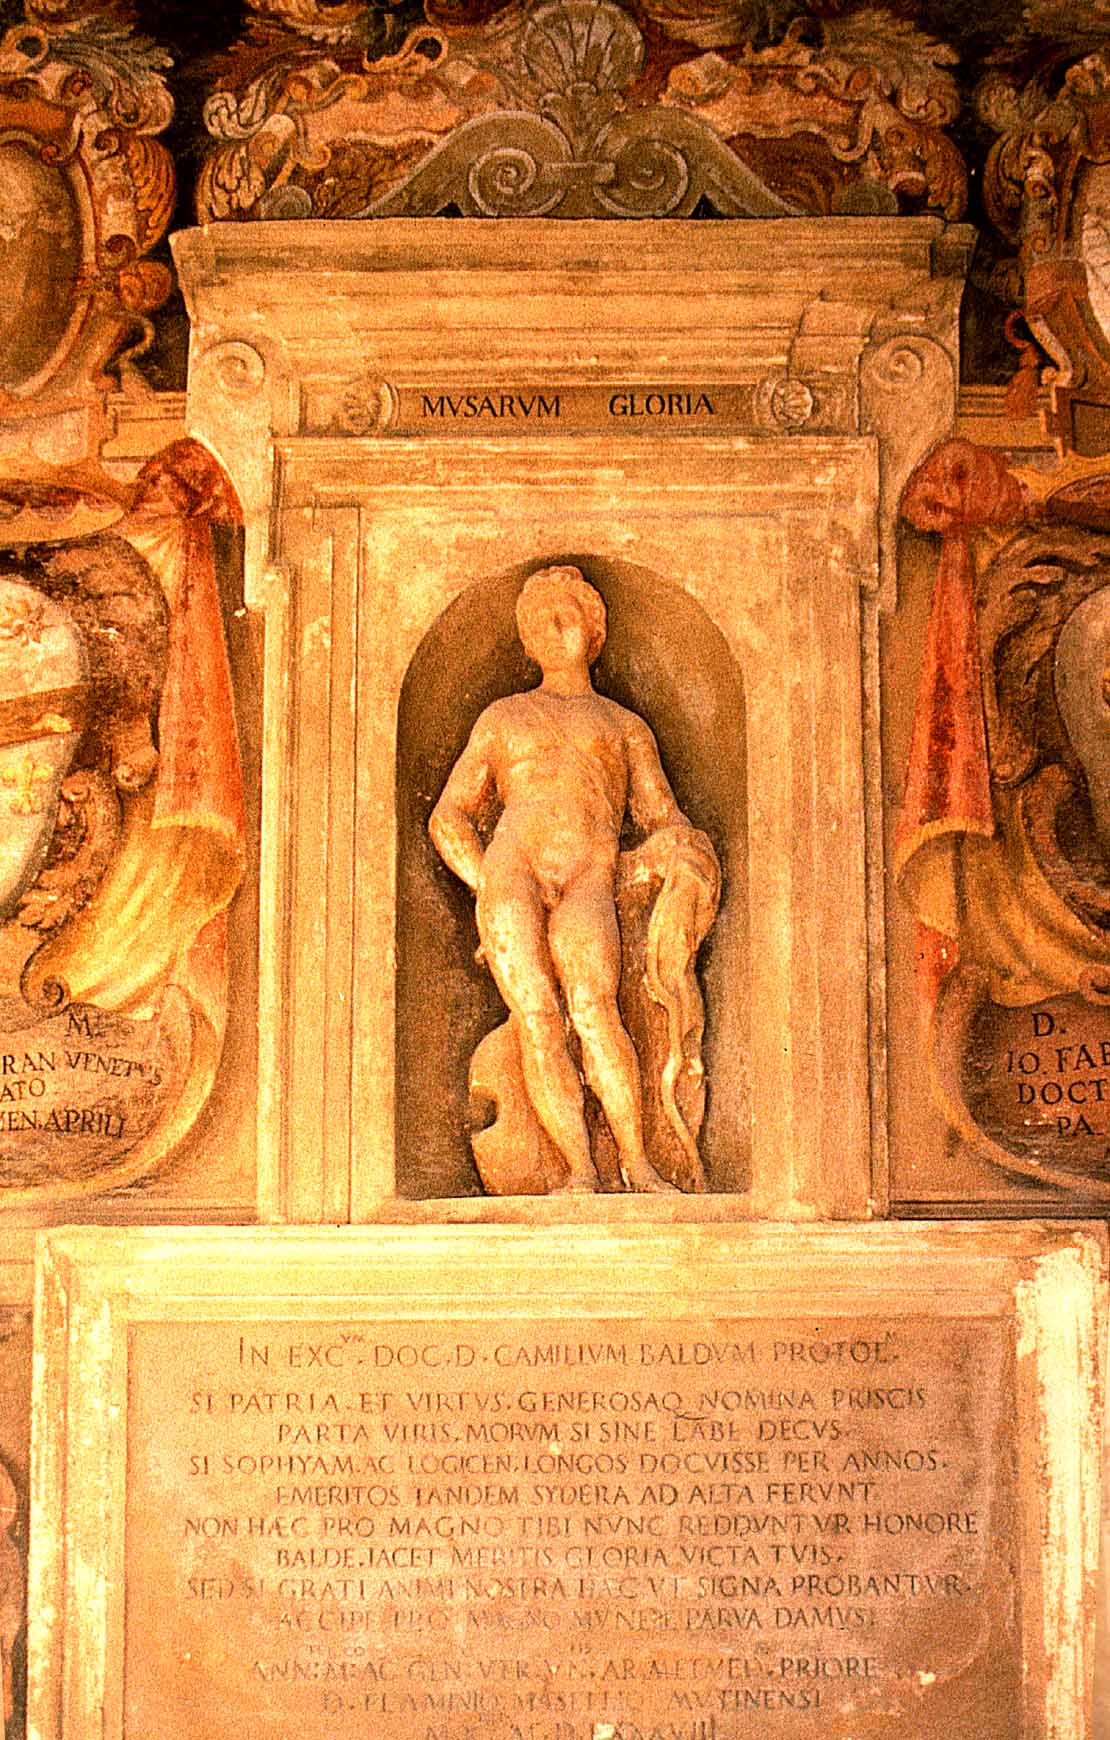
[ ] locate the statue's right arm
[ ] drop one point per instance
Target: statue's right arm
(469, 788)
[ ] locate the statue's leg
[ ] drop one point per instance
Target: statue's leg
(512, 923)
(585, 944)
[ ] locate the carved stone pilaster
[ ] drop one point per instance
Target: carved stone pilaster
(236, 406)
(907, 390)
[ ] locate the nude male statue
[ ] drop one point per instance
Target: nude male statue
(565, 765)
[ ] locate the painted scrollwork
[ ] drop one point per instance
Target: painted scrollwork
(122, 841)
(1004, 843)
(285, 131)
(573, 109)
(86, 192)
(1047, 192)
(870, 103)
(82, 662)
(332, 22)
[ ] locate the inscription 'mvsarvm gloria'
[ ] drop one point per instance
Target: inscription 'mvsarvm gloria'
(574, 405)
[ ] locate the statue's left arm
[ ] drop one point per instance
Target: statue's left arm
(650, 798)
(655, 811)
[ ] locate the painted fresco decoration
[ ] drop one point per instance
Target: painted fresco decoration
(859, 115)
(1047, 193)
(1004, 842)
(613, 107)
(582, 108)
(122, 841)
(87, 189)
(121, 822)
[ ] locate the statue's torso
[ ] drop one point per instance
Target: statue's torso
(561, 768)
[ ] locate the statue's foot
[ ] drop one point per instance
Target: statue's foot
(645, 1178)
(578, 1184)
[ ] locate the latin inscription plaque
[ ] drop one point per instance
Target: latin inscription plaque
(497, 408)
(372, 406)
(1038, 1080)
(587, 1531)
(656, 1479)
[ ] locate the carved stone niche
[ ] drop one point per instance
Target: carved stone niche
(710, 424)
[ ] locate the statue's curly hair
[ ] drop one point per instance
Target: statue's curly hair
(537, 592)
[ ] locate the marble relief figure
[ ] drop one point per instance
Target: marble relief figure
(591, 937)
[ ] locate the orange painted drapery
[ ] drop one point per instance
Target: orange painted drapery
(958, 490)
(156, 928)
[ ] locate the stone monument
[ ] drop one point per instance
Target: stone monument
(488, 880)
(531, 1453)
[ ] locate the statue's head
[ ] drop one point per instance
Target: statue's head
(548, 594)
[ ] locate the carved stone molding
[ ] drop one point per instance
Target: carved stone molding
(372, 354)
(88, 190)
(907, 391)
(573, 109)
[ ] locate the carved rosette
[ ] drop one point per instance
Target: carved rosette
(86, 192)
(499, 111)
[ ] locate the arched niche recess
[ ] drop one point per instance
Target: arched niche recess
(665, 659)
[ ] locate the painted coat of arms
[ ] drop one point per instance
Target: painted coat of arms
(121, 837)
(121, 811)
